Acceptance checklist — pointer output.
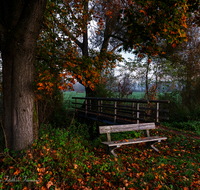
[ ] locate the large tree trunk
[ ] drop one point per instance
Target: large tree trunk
(19, 28)
(18, 94)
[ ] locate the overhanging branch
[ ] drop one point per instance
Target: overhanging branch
(117, 37)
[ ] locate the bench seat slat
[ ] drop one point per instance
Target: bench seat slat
(123, 128)
(134, 141)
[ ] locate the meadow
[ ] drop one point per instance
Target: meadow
(135, 95)
(68, 97)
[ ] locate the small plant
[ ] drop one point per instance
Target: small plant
(193, 126)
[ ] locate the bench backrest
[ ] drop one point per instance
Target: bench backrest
(123, 128)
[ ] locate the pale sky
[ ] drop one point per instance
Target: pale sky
(125, 56)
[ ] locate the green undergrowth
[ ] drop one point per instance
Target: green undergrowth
(188, 127)
(67, 159)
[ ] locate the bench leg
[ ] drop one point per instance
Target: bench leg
(110, 150)
(151, 145)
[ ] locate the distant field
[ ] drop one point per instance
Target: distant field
(68, 97)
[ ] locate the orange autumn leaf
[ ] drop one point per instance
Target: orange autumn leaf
(79, 180)
(140, 56)
(165, 30)
(49, 184)
(17, 172)
(142, 11)
(43, 188)
(75, 166)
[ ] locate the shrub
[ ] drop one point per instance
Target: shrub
(193, 126)
(177, 111)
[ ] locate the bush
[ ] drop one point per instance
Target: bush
(101, 91)
(193, 126)
(49, 106)
(59, 118)
(177, 112)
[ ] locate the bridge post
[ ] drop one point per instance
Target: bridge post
(90, 104)
(101, 103)
(157, 112)
(85, 108)
(115, 112)
(138, 113)
(99, 109)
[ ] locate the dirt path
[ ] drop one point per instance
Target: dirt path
(179, 133)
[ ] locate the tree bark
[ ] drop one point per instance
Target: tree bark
(20, 22)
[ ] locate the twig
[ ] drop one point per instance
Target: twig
(4, 133)
(5, 143)
(72, 121)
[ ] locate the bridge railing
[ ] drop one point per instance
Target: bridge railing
(135, 109)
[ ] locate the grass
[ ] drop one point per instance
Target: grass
(192, 127)
(68, 97)
(67, 159)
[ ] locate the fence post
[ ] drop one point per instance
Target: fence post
(85, 108)
(101, 103)
(115, 112)
(138, 113)
(157, 112)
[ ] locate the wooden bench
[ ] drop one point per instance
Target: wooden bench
(112, 145)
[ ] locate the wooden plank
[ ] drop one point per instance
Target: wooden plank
(123, 128)
(108, 137)
(134, 141)
(113, 99)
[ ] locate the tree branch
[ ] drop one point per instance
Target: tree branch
(68, 33)
(117, 47)
(117, 37)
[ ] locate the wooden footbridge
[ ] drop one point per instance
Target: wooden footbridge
(118, 111)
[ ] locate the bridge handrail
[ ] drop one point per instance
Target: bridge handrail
(122, 100)
(116, 108)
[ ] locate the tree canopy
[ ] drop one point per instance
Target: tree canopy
(70, 44)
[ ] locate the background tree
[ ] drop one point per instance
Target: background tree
(150, 25)
(64, 49)
(185, 63)
(19, 28)
(149, 21)
(124, 85)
